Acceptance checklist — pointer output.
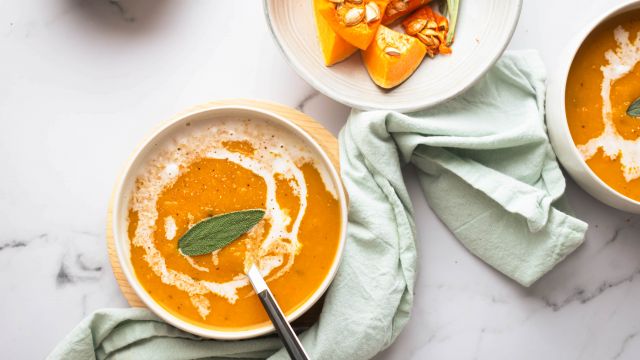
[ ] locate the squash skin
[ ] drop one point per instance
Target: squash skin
(334, 48)
(389, 71)
(359, 35)
(391, 15)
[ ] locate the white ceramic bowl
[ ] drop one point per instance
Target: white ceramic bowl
(147, 150)
(484, 29)
(558, 127)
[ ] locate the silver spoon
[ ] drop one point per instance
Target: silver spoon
(287, 336)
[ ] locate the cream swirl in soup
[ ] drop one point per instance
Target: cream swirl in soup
(620, 62)
(232, 165)
(603, 81)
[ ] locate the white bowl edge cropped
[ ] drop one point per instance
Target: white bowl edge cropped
(483, 32)
(558, 126)
(121, 206)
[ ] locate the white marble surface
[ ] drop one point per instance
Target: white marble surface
(82, 81)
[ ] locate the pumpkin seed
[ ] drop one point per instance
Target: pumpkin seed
(354, 16)
(430, 32)
(372, 12)
(416, 26)
(430, 41)
(443, 25)
(400, 5)
(389, 50)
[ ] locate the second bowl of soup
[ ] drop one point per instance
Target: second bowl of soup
(594, 133)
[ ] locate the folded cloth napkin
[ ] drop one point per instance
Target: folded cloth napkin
(487, 170)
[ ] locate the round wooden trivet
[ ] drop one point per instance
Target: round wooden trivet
(318, 132)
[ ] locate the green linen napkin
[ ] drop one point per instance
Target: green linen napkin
(485, 165)
(487, 170)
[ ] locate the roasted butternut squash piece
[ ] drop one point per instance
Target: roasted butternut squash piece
(430, 28)
(399, 8)
(356, 21)
(334, 48)
(392, 57)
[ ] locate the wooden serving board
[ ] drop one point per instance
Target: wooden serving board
(318, 132)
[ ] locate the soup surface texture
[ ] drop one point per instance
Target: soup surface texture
(603, 82)
(220, 167)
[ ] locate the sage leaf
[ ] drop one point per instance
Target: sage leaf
(634, 109)
(219, 231)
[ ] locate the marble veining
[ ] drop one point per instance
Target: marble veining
(85, 80)
(625, 342)
(583, 296)
(117, 4)
(76, 271)
(13, 244)
(302, 103)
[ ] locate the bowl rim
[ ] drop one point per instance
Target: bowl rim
(569, 58)
(370, 105)
(121, 198)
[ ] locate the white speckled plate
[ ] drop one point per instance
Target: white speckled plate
(484, 29)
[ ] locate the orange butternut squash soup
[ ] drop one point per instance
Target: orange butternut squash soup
(233, 165)
(604, 80)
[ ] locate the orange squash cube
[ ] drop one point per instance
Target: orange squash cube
(392, 57)
(334, 48)
(355, 23)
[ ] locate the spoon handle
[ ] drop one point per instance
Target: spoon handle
(286, 333)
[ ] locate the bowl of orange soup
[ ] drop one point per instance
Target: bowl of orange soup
(215, 160)
(595, 137)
